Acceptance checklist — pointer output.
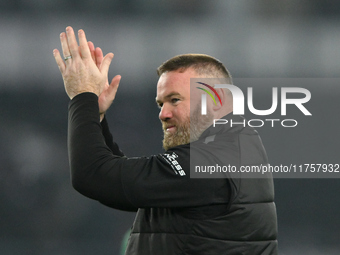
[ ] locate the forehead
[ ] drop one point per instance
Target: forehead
(175, 82)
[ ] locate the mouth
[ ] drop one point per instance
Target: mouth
(170, 128)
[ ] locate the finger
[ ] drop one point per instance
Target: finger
(64, 45)
(92, 50)
(72, 42)
(99, 56)
(59, 61)
(84, 47)
(104, 68)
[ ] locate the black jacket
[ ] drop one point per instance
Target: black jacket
(177, 214)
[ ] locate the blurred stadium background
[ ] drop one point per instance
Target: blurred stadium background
(40, 213)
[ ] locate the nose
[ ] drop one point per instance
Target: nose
(165, 113)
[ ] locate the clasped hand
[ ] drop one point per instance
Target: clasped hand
(86, 70)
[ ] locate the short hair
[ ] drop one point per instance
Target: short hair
(203, 65)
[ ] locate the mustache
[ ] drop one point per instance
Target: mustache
(169, 123)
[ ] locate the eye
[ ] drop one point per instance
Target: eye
(159, 105)
(174, 100)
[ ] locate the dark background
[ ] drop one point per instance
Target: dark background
(40, 213)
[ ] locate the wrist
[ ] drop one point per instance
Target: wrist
(101, 116)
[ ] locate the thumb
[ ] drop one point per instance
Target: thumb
(112, 89)
(104, 68)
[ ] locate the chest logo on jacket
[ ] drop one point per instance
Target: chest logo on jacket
(171, 159)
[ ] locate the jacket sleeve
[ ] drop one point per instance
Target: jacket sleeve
(109, 139)
(124, 183)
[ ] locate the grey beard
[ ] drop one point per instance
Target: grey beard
(199, 123)
(190, 131)
(181, 136)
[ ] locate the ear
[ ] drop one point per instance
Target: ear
(219, 101)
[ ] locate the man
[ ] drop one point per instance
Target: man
(176, 214)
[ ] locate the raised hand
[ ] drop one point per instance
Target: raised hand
(109, 92)
(79, 71)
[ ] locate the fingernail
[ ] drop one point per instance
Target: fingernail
(68, 29)
(80, 31)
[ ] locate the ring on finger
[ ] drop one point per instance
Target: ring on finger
(67, 57)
